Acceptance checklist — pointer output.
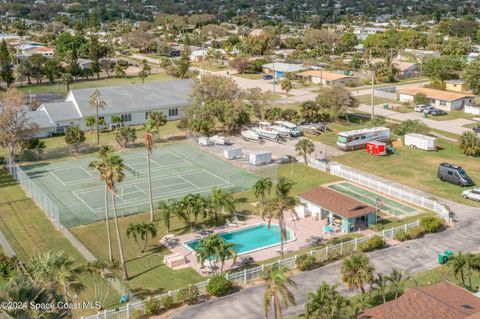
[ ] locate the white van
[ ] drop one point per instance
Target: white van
(294, 131)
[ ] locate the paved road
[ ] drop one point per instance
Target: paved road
(411, 256)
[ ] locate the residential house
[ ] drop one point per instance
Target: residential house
(407, 54)
(130, 103)
(200, 54)
(327, 78)
(339, 210)
(406, 69)
(443, 300)
(456, 85)
(363, 32)
(45, 51)
(281, 68)
(445, 100)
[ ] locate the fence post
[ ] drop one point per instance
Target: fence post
(369, 236)
(383, 233)
(128, 310)
(356, 243)
(226, 276)
(263, 267)
(405, 228)
(418, 222)
(245, 276)
(311, 254)
(105, 314)
(341, 248)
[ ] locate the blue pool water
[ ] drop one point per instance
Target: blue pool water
(250, 238)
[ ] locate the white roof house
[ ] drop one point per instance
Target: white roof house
(131, 103)
(281, 68)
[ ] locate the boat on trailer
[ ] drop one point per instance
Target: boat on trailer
(250, 135)
(264, 130)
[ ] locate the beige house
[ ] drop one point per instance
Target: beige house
(456, 85)
(444, 100)
(327, 78)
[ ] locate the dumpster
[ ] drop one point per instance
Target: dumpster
(442, 259)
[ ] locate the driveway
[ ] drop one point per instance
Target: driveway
(411, 256)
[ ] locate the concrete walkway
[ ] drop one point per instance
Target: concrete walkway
(6, 246)
(411, 256)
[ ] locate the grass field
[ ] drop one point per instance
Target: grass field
(418, 168)
(210, 66)
(452, 115)
(250, 76)
(367, 99)
(82, 84)
(29, 232)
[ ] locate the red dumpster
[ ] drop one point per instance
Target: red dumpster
(376, 148)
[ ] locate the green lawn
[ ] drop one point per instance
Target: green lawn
(418, 168)
(210, 66)
(250, 76)
(367, 99)
(452, 115)
(92, 83)
(30, 232)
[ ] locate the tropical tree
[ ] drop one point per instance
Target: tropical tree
(159, 119)
(150, 128)
(380, 285)
(220, 201)
(67, 79)
(90, 121)
(142, 231)
(114, 174)
(6, 70)
(458, 264)
(142, 74)
(397, 280)
(125, 135)
(325, 303)
(262, 188)
(469, 144)
(225, 250)
(276, 290)
(100, 166)
(281, 204)
(95, 102)
(286, 85)
(191, 207)
(304, 148)
(207, 249)
(133, 230)
(356, 271)
(74, 136)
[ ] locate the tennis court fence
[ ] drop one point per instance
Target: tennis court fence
(32, 190)
(409, 197)
(325, 254)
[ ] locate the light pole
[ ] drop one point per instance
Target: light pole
(273, 64)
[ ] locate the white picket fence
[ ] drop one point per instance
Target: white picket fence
(324, 254)
(409, 197)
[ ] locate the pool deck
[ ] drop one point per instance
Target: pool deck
(302, 229)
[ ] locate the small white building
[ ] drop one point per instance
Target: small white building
(281, 68)
(327, 78)
(444, 100)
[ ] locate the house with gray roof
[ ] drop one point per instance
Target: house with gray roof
(281, 68)
(130, 103)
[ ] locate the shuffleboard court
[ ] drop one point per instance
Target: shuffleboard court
(389, 205)
(176, 170)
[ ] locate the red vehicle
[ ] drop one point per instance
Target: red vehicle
(376, 148)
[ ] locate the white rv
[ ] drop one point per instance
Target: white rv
(352, 140)
(292, 128)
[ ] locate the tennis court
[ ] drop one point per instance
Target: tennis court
(385, 204)
(177, 170)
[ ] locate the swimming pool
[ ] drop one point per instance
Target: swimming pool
(251, 238)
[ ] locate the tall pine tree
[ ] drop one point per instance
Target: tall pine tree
(6, 72)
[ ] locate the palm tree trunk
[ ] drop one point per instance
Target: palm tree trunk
(107, 223)
(275, 308)
(119, 239)
(149, 177)
(96, 123)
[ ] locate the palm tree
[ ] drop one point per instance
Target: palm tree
(221, 200)
(380, 284)
(134, 230)
(207, 249)
(286, 86)
(114, 175)
(159, 119)
(325, 303)
(304, 147)
(472, 263)
(278, 206)
(458, 264)
(262, 187)
(469, 144)
(397, 281)
(192, 206)
(276, 290)
(101, 166)
(96, 102)
(90, 122)
(147, 229)
(148, 138)
(225, 250)
(356, 271)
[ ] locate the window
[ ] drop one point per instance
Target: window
(443, 103)
(173, 112)
(126, 117)
(146, 115)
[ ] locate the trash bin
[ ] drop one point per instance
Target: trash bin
(425, 115)
(441, 259)
(448, 254)
(385, 106)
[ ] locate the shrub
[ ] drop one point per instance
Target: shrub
(411, 126)
(415, 232)
(138, 314)
(168, 302)
(306, 262)
(7, 266)
(376, 227)
(153, 307)
(188, 294)
(402, 236)
(431, 224)
(376, 242)
(219, 286)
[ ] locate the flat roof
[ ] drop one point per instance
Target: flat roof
(337, 203)
(329, 76)
(364, 130)
(435, 94)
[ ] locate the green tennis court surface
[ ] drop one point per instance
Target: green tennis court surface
(389, 206)
(176, 171)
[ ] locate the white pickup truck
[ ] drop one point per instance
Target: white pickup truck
(472, 194)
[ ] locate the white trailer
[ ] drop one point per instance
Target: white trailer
(232, 153)
(352, 140)
(204, 141)
(421, 141)
(260, 158)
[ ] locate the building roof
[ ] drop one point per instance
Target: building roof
(41, 118)
(329, 76)
(435, 94)
(61, 111)
(457, 81)
(138, 97)
(336, 202)
(443, 300)
(285, 67)
(39, 49)
(403, 66)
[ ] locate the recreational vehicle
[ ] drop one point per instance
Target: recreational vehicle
(352, 140)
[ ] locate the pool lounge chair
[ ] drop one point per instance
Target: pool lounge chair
(230, 224)
(239, 222)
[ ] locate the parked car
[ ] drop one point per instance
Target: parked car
(453, 174)
(438, 112)
(427, 109)
(268, 77)
(286, 159)
(420, 107)
(476, 129)
(473, 194)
